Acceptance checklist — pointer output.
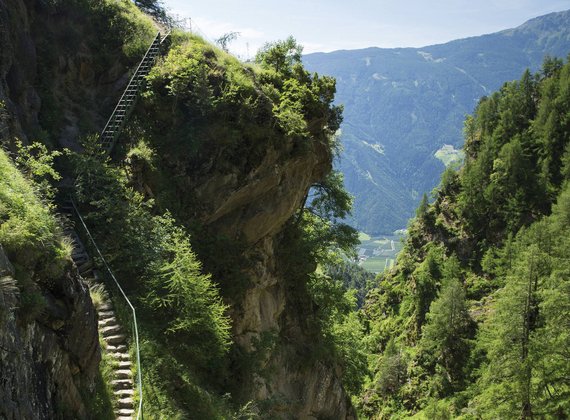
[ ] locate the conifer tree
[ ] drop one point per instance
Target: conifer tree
(446, 332)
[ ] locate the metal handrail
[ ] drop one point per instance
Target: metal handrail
(132, 82)
(139, 371)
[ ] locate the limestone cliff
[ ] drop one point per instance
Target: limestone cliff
(256, 210)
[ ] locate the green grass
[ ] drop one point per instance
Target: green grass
(28, 229)
(32, 239)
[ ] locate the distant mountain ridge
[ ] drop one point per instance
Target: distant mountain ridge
(402, 105)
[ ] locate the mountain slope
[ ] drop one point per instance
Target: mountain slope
(404, 104)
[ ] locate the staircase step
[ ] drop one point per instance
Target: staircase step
(123, 374)
(125, 392)
(121, 356)
(116, 339)
(122, 383)
(111, 330)
(125, 412)
(86, 266)
(106, 314)
(78, 253)
(125, 403)
(125, 364)
(105, 307)
(106, 322)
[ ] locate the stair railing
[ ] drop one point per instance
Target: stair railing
(124, 107)
(132, 308)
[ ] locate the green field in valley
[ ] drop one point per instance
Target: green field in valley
(378, 253)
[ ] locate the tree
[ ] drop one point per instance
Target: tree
(156, 9)
(553, 339)
(280, 56)
(445, 336)
(507, 379)
(392, 370)
(226, 39)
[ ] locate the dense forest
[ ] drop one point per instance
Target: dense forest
(404, 108)
(474, 320)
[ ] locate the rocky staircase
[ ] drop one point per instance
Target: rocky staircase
(109, 329)
(110, 133)
(116, 347)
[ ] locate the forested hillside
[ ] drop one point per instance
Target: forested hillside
(473, 322)
(403, 105)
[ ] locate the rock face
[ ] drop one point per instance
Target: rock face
(48, 363)
(45, 364)
(54, 68)
(255, 207)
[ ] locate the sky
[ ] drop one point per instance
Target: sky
(329, 25)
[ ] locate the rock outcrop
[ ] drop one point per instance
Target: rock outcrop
(256, 211)
(252, 202)
(47, 365)
(48, 362)
(253, 208)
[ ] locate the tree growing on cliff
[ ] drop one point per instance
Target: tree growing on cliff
(445, 338)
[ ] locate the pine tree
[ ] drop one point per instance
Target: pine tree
(507, 379)
(446, 333)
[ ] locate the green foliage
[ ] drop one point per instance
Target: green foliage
(404, 105)
(29, 232)
(445, 337)
(196, 320)
(331, 201)
(36, 163)
(152, 256)
(122, 23)
(342, 330)
(280, 56)
(352, 276)
(497, 233)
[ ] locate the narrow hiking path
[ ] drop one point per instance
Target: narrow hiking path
(111, 333)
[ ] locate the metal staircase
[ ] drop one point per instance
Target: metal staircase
(110, 133)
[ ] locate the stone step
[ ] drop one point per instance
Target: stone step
(111, 330)
(116, 339)
(122, 383)
(106, 306)
(124, 392)
(78, 253)
(125, 418)
(108, 321)
(123, 374)
(86, 266)
(126, 403)
(106, 314)
(125, 364)
(115, 348)
(125, 412)
(121, 356)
